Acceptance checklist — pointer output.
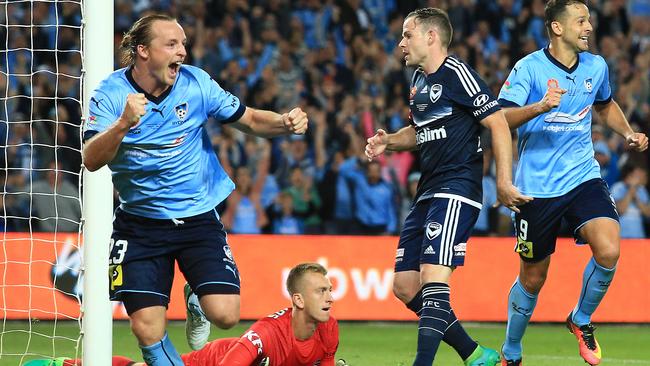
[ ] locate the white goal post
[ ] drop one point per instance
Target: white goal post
(97, 200)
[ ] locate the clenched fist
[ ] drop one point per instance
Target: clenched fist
(134, 109)
(296, 121)
(552, 97)
(637, 141)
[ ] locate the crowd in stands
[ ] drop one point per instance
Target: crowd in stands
(339, 60)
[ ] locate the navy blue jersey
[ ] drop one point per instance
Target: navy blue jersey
(446, 107)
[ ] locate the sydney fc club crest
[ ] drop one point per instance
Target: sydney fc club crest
(433, 230)
(588, 84)
(435, 92)
(181, 111)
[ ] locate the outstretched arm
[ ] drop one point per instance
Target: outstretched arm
(402, 140)
(269, 124)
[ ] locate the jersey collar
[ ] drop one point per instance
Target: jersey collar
(561, 65)
(151, 98)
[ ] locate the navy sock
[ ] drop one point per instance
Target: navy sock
(415, 305)
(595, 283)
(161, 353)
(457, 337)
(433, 321)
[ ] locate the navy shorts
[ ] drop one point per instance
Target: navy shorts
(538, 223)
(436, 232)
(144, 250)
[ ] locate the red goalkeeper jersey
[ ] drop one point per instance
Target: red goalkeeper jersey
(271, 337)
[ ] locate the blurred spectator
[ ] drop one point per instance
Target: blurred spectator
(305, 198)
(409, 194)
(284, 217)
(603, 156)
(632, 201)
(375, 201)
(249, 165)
(16, 203)
(60, 211)
(244, 213)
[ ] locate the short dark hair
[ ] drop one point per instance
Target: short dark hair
(434, 17)
(299, 271)
(555, 9)
(139, 34)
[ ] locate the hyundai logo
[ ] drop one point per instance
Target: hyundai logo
(480, 100)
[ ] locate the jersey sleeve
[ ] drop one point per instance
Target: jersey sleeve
(604, 92)
(239, 354)
(517, 87)
(102, 112)
(470, 91)
(219, 103)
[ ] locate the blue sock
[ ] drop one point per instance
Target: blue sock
(433, 321)
(595, 282)
(457, 337)
(520, 308)
(161, 353)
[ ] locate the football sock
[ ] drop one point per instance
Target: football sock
(595, 282)
(457, 337)
(415, 305)
(433, 321)
(520, 308)
(161, 353)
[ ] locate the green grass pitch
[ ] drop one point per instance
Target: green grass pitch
(361, 344)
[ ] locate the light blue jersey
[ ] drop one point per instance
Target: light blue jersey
(555, 149)
(166, 167)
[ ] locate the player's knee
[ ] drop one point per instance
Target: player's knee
(147, 332)
(533, 282)
(224, 320)
(403, 291)
(607, 257)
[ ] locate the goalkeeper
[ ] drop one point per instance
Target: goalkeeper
(306, 334)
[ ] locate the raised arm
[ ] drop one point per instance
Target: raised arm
(269, 124)
(517, 116)
(102, 148)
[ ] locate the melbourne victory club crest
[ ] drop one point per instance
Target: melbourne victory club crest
(435, 92)
(433, 229)
(181, 111)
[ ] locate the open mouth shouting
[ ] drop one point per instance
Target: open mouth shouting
(174, 68)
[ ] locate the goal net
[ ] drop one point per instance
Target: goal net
(40, 180)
